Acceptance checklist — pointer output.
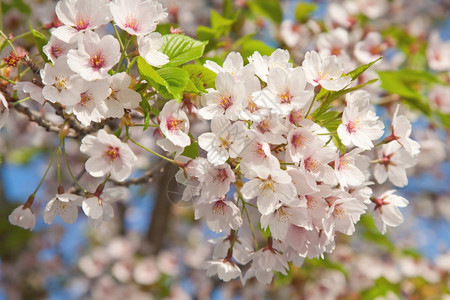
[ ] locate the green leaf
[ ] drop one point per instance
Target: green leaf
(176, 79)
(445, 119)
(40, 41)
(220, 22)
(359, 70)
(249, 47)
(402, 84)
(327, 97)
(170, 82)
(180, 49)
(191, 150)
(205, 75)
(304, 11)
(228, 9)
(165, 28)
(270, 9)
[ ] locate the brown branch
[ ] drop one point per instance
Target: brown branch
(41, 121)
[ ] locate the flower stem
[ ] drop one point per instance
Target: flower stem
(149, 150)
(68, 167)
(46, 171)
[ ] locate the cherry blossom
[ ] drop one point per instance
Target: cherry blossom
(359, 125)
(220, 214)
(121, 97)
(225, 269)
(175, 124)
(401, 130)
(137, 17)
(386, 210)
(95, 56)
(64, 205)
(107, 154)
(23, 217)
(4, 110)
(79, 16)
(325, 72)
(149, 47)
(393, 160)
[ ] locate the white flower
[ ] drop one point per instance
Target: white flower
(343, 213)
(282, 217)
(56, 48)
(226, 140)
(78, 16)
(359, 125)
(440, 98)
(107, 155)
(64, 205)
(146, 272)
(121, 97)
(224, 268)
(220, 215)
(393, 162)
(334, 42)
(286, 91)
(370, 49)
(149, 46)
(137, 17)
(91, 94)
(217, 181)
(234, 65)
(175, 124)
(242, 249)
(272, 128)
(226, 100)
(23, 217)
(98, 206)
(298, 139)
(325, 72)
(4, 110)
(257, 154)
(94, 56)
(265, 261)
(386, 210)
(352, 168)
(264, 64)
(401, 130)
(61, 83)
(34, 91)
(270, 187)
(438, 53)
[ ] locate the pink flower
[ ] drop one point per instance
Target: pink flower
(137, 17)
(23, 217)
(386, 210)
(79, 16)
(107, 154)
(94, 56)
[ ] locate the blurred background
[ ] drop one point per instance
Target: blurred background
(153, 248)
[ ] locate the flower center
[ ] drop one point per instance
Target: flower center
(283, 215)
(97, 60)
(56, 51)
(354, 125)
(298, 140)
(286, 97)
(131, 22)
(173, 124)
(268, 186)
(339, 212)
(252, 107)
(311, 201)
(335, 51)
(311, 165)
(112, 152)
(260, 151)
(221, 175)
(225, 102)
(343, 163)
(81, 22)
(86, 99)
(219, 208)
(264, 125)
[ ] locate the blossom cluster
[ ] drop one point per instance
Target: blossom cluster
(289, 150)
(267, 157)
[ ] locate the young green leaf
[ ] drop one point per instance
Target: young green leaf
(270, 9)
(181, 49)
(304, 11)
